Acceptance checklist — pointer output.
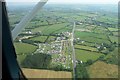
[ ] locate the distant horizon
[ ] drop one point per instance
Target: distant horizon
(31, 3)
(69, 1)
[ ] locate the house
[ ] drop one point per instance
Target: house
(81, 61)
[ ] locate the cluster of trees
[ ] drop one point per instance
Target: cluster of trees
(99, 23)
(110, 47)
(37, 61)
(30, 42)
(60, 68)
(113, 60)
(16, 22)
(81, 72)
(90, 62)
(46, 21)
(41, 61)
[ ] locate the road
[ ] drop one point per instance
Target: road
(73, 50)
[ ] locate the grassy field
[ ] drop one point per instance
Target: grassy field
(81, 17)
(86, 55)
(24, 48)
(85, 47)
(112, 57)
(54, 19)
(113, 29)
(89, 34)
(20, 58)
(50, 29)
(91, 37)
(100, 29)
(115, 33)
(37, 73)
(114, 39)
(51, 38)
(103, 70)
(44, 38)
(87, 44)
(39, 38)
(107, 19)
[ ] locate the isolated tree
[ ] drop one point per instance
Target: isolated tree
(112, 47)
(59, 68)
(48, 22)
(89, 62)
(101, 58)
(101, 48)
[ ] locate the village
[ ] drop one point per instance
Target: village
(59, 51)
(60, 48)
(68, 38)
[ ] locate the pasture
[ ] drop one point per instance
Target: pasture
(43, 38)
(114, 39)
(113, 29)
(52, 29)
(83, 55)
(92, 37)
(24, 48)
(86, 47)
(39, 38)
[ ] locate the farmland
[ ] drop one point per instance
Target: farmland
(24, 48)
(101, 69)
(35, 73)
(86, 55)
(85, 47)
(52, 29)
(39, 38)
(62, 39)
(91, 37)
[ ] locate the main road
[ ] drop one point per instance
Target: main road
(73, 50)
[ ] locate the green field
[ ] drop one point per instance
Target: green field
(39, 38)
(100, 29)
(95, 38)
(24, 48)
(86, 47)
(52, 29)
(87, 44)
(51, 38)
(20, 58)
(114, 39)
(108, 19)
(89, 34)
(91, 37)
(113, 29)
(83, 55)
(112, 57)
(115, 33)
(113, 53)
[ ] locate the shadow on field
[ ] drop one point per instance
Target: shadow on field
(37, 61)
